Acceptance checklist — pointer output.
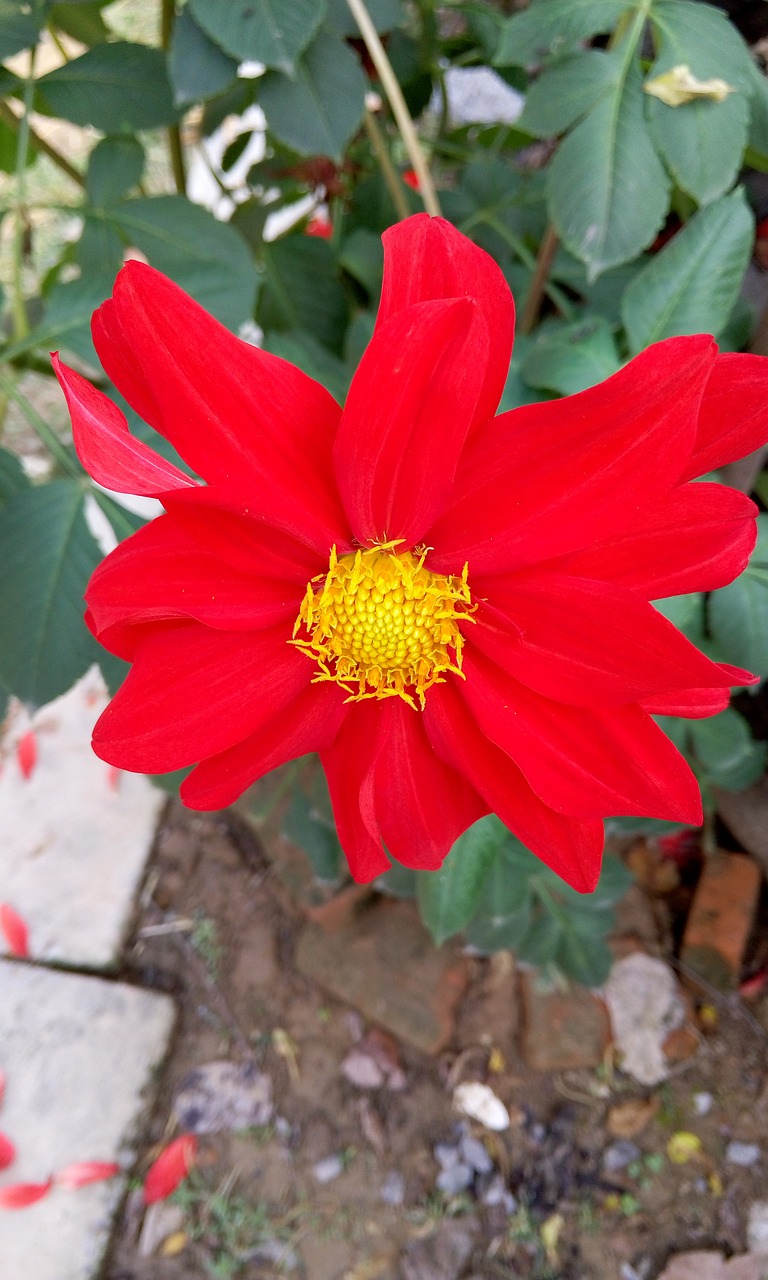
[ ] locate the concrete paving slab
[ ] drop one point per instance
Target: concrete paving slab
(79, 1055)
(75, 835)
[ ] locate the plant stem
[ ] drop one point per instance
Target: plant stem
(41, 427)
(546, 256)
(388, 171)
(397, 103)
(167, 16)
(18, 309)
(528, 259)
(39, 143)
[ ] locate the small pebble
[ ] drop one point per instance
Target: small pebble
(457, 1178)
(393, 1188)
(497, 1193)
(742, 1153)
(328, 1168)
(702, 1103)
(475, 1155)
(446, 1155)
(619, 1154)
(757, 1227)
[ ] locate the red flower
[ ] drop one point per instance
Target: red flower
(319, 225)
(14, 930)
(452, 609)
(411, 179)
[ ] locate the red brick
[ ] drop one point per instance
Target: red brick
(382, 960)
(720, 919)
(563, 1028)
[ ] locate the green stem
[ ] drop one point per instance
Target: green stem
(546, 256)
(39, 143)
(388, 170)
(167, 18)
(40, 427)
(18, 309)
(528, 259)
(397, 103)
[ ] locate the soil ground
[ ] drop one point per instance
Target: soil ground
(217, 929)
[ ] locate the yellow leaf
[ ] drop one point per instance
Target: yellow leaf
(683, 1147)
(679, 85)
(174, 1244)
(286, 1047)
(550, 1234)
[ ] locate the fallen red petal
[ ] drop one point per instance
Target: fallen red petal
(19, 1195)
(26, 753)
(15, 931)
(83, 1172)
(7, 1152)
(170, 1168)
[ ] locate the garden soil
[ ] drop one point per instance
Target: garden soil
(339, 1181)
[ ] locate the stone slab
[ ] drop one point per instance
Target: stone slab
(79, 1055)
(74, 836)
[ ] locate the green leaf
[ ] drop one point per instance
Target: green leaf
(19, 25)
(448, 898)
(198, 67)
(362, 255)
(303, 113)
(100, 250)
(738, 613)
(67, 316)
(702, 142)
(267, 31)
(82, 22)
(758, 115)
(725, 748)
(9, 146)
(301, 290)
(563, 93)
(112, 86)
(692, 284)
(607, 187)
(114, 166)
(48, 557)
(554, 26)
(13, 477)
(206, 257)
(398, 882)
(384, 14)
(567, 358)
(312, 830)
(303, 349)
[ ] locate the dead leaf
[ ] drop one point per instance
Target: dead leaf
(679, 85)
(629, 1118)
(684, 1147)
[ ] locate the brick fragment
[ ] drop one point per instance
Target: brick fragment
(720, 919)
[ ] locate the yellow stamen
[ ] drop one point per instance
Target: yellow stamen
(382, 625)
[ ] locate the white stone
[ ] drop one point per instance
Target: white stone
(479, 1102)
(645, 1004)
(78, 1054)
(75, 835)
(757, 1227)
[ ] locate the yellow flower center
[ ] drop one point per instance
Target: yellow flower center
(382, 625)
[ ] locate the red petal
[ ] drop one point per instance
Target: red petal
(162, 573)
(585, 642)
(236, 414)
(170, 1168)
(426, 259)
(15, 931)
(550, 478)
(734, 413)
(19, 1195)
(26, 753)
(310, 723)
(422, 804)
(194, 692)
(349, 767)
(588, 763)
(105, 446)
(7, 1152)
(250, 538)
(572, 848)
(406, 418)
(696, 538)
(84, 1172)
(3, 1085)
(694, 704)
